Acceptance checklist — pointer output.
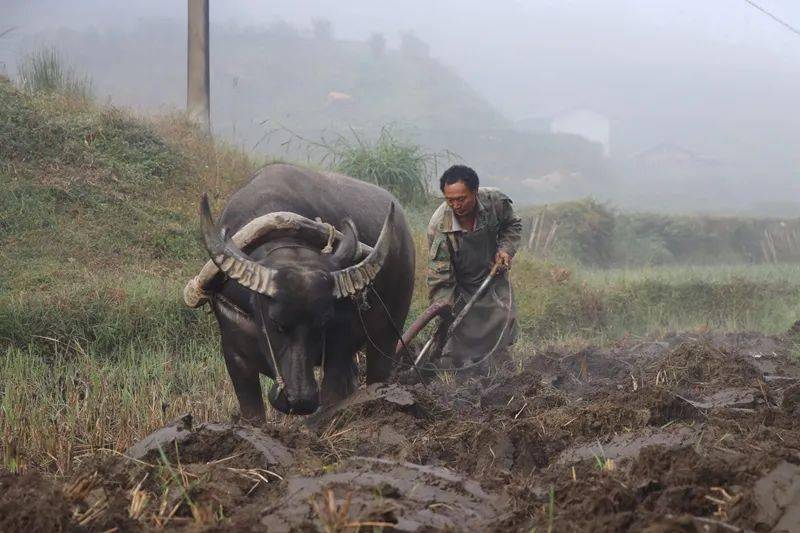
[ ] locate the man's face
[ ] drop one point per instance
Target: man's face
(460, 198)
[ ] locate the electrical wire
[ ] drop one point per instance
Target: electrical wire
(774, 17)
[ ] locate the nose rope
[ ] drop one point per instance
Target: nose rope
(322, 365)
(278, 377)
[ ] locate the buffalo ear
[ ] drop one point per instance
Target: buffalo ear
(345, 254)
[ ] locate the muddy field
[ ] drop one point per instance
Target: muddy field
(682, 433)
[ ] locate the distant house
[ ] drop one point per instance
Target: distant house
(590, 125)
(556, 182)
(666, 154)
(337, 98)
(533, 123)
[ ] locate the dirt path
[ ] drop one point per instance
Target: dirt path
(688, 433)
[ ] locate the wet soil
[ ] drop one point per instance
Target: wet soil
(680, 433)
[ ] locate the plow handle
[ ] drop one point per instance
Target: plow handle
(429, 314)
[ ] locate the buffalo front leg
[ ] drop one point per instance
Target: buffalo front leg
(381, 356)
(247, 387)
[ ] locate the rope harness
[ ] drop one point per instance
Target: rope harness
(274, 360)
(278, 378)
(408, 351)
(328, 249)
(281, 382)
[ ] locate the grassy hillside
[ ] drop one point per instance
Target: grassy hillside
(97, 218)
(98, 236)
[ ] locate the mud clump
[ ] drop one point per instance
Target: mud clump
(410, 497)
(777, 498)
(30, 502)
(683, 432)
(694, 366)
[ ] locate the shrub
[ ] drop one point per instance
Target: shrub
(400, 167)
(585, 231)
(45, 70)
(593, 235)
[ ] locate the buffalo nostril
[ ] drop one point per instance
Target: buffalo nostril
(303, 407)
(289, 404)
(278, 400)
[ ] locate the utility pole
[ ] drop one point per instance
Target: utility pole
(198, 90)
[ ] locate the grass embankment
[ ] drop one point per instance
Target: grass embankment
(97, 219)
(98, 236)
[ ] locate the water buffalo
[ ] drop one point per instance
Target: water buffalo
(286, 288)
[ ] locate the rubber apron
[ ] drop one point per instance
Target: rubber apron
(472, 258)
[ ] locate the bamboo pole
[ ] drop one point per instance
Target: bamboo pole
(540, 228)
(532, 236)
(550, 237)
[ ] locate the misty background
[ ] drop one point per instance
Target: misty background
(669, 106)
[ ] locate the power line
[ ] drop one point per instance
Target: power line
(7, 31)
(774, 17)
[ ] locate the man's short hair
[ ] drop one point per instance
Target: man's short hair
(458, 173)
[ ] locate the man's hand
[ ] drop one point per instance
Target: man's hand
(503, 260)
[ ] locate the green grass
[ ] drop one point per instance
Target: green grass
(737, 297)
(98, 220)
(795, 346)
(614, 302)
(97, 238)
(788, 273)
(105, 313)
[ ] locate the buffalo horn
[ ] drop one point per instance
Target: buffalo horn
(349, 281)
(230, 259)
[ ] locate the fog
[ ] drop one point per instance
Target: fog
(675, 106)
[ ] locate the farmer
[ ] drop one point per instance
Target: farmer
(474, 229)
